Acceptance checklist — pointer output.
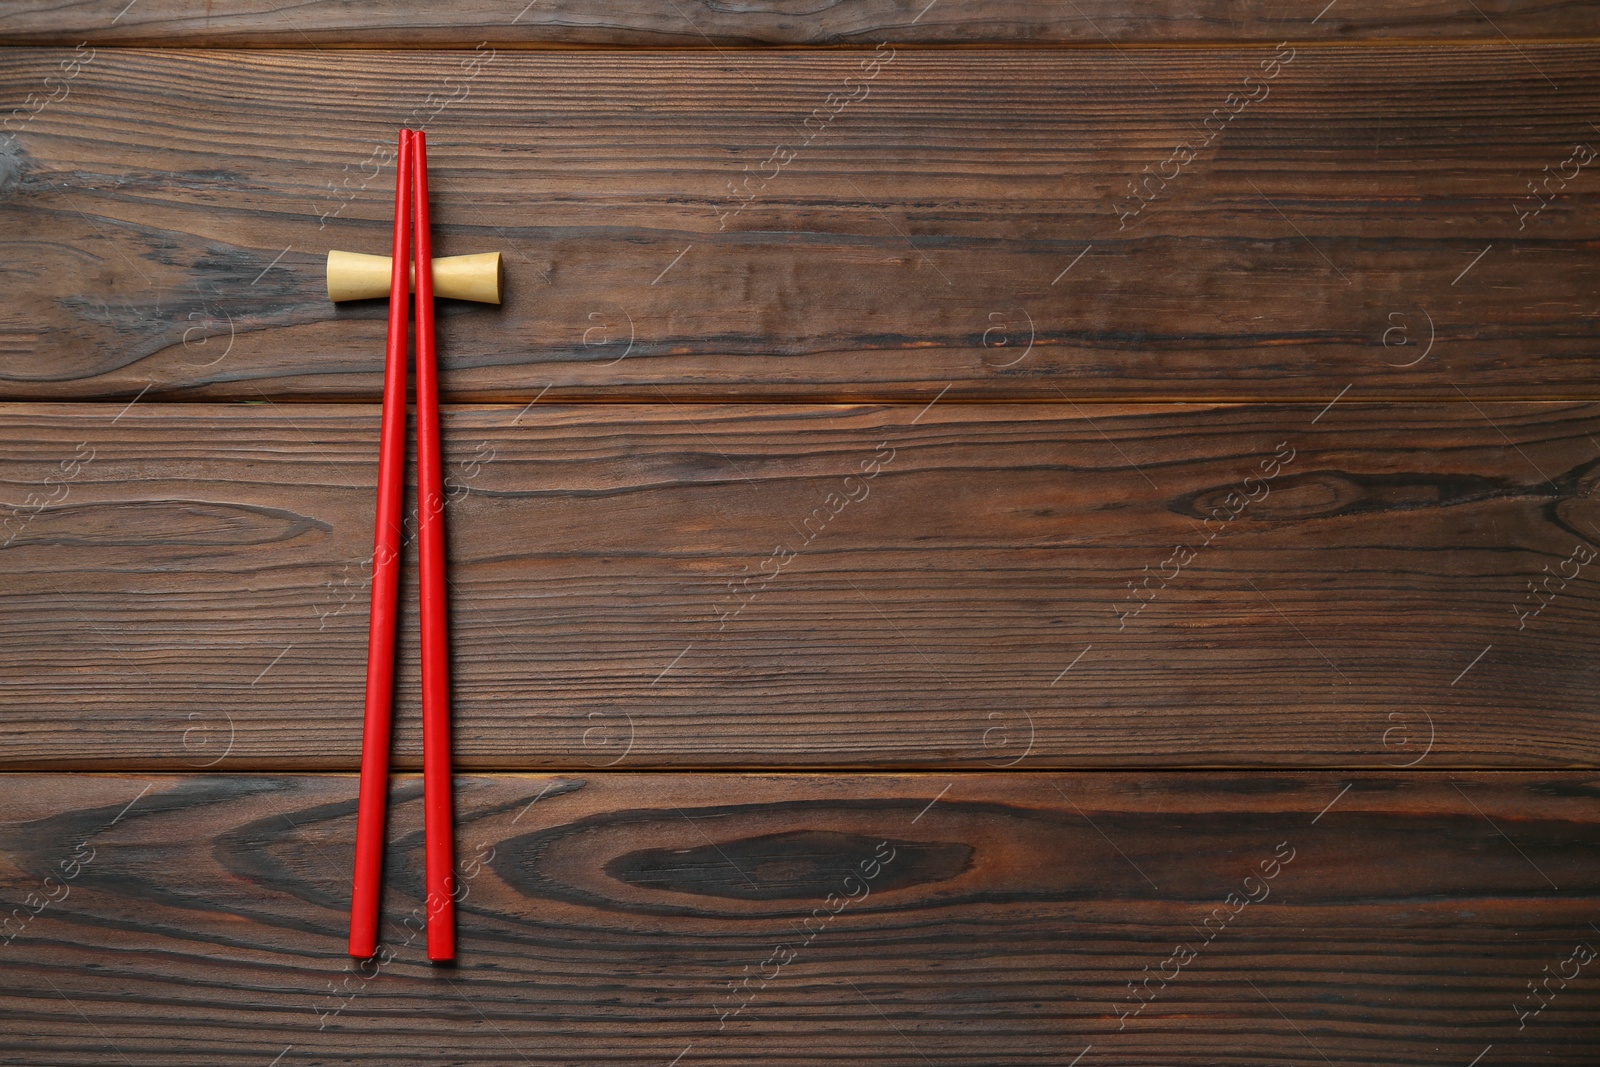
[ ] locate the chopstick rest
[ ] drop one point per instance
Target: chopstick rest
(354, 276)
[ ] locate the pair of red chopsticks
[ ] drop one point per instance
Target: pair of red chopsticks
(410, 218)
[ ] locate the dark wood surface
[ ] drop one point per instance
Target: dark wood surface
(705, 24)
(164, 222)
(1113, 542)
(634, 919)
(789, 585)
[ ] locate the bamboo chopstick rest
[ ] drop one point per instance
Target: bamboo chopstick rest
(354, 276)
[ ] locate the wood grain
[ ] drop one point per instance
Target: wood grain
(704, 24)
(616, 918)
(965, 222)
(1354, 584)
(1382, 239)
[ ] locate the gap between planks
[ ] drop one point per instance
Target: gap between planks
(790, 400)
(812, 771)
(731, 46)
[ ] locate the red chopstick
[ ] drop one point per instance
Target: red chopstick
(435, 623)
(374, 790)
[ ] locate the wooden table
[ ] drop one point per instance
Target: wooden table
(983, 533)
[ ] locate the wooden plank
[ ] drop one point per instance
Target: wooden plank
(1352, 584)
(998, 223)
(703, 25)
(992, 919)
